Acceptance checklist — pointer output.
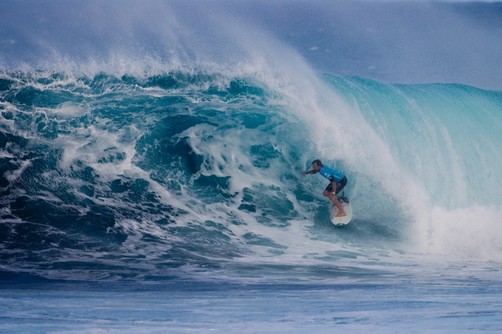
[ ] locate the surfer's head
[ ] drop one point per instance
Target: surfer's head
(316, 164)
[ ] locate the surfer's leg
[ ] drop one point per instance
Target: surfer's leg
(331, 193)
(341, 211)
(336, 202)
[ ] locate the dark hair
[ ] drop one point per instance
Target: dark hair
(317, 162)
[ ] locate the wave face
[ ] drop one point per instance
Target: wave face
(109, 177)
(167, 140)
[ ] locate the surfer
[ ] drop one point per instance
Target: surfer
(337, 181)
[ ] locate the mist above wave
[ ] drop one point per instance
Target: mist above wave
(388, 41)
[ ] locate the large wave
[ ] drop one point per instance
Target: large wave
(194, 168)
(123, 161)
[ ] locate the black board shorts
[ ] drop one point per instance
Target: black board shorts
(339, 186)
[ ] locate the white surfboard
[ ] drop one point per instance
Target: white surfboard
(344, 220)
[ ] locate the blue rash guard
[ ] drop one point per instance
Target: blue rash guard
(331, 173)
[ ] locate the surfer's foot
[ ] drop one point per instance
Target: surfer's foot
(341, 214)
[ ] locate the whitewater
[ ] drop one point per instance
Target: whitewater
(150, 175)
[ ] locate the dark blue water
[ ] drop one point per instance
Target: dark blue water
(253, 308)
(164, 193)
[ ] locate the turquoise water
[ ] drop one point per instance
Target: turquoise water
(166, 195)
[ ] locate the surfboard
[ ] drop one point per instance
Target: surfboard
(340, 221)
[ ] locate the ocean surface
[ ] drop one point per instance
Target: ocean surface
(151, 181)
